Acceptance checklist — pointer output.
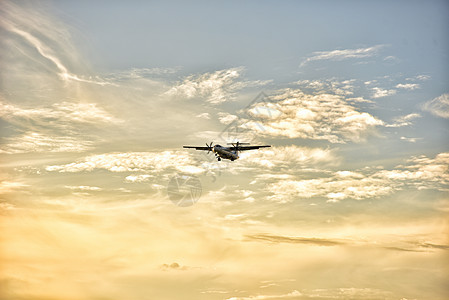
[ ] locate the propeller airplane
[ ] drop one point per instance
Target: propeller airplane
(231, 153)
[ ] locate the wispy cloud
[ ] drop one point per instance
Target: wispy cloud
(57, 128)
(295, 240)
(152, 162)
(293, 294)
(408, 86)
(36, 142)
(343, 54)
(215, 87)
(404, 120)
(439, 106)
(41, 34)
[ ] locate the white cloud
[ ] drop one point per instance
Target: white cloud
(343, 54)
(226, 118)
(404, 120)
(421, 172)
(138, 178)
(130, 162)
(284, 156)
(53, 129)
(84, 188)
(320, 117)
(410, 139)
(216, 87)
(204, 116)
(408, 86)
(439, 106)
(293, 294)
(59, 114)
(35, 142)
(379, 93)
(345, 87)
(419, 77)
(45, 36)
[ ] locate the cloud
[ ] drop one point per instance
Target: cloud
(404, 120)
(318, 117)
(293, 294)
(345, 87)
(419, 78)
(288, 156)
(35, 142)
(295, 240)
(138, 178)
(84, 188)
(226, 118)
(60, 115)
(408, 86)
(203, 116)
(420, 172)
(439, 106)
(344, 54)
(215, 87)
(45, 36)
(129, 162)
(380, 93)
(410, 139)
(57, 128)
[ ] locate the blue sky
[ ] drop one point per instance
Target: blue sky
(350, 202)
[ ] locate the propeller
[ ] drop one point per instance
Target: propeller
(209, 147)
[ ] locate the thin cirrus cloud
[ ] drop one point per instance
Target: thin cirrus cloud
(438, 106)
(50, 41)
(404, 120)
(338, 55)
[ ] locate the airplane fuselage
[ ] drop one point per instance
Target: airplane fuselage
(225, 153)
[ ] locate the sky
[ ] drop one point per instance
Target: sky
(98, 199)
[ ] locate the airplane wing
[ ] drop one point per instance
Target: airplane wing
(244, 148)
(197, 148)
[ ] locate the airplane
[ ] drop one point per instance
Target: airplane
(231, 153)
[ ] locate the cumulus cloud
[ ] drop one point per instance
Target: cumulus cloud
(344, 54)
(439, 106)
(319, 117)
(215, 87)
